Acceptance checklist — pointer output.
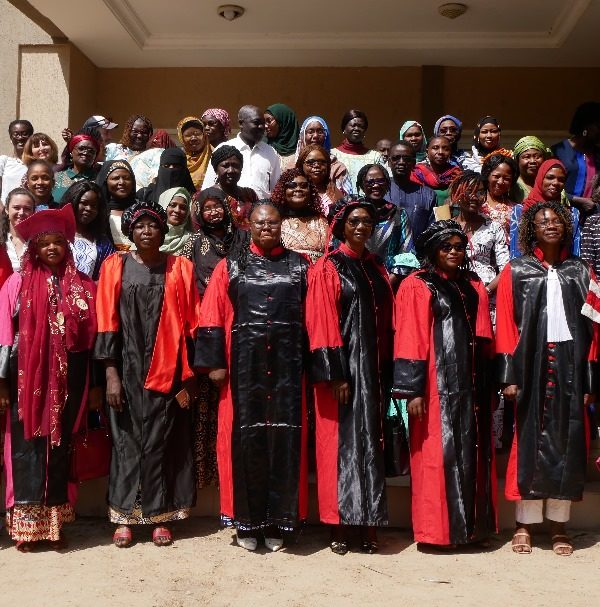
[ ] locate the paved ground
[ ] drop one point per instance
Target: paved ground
(204, 567)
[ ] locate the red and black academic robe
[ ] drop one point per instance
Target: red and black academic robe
(252, 324)
(442, 342)
(350, 310)
(146, 318)
(549, 451)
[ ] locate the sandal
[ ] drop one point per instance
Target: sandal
(521, 542)
(161, 536)
(561, 545)
(122, 537)
(339, 547)
(23, 546)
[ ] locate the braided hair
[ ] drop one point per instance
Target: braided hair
(464, 184)
(527, 225)
(125, 139)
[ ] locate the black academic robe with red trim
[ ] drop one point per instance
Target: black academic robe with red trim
(252, 324)
(549, 452)
(350, 328)
(442, 341)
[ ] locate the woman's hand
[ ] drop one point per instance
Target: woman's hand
(416, 407)
(95, 399)
(4, 395)
(114, 389)
(341, 391)
(510, 391)
(218, 376)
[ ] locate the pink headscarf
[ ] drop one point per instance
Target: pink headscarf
(222, 116)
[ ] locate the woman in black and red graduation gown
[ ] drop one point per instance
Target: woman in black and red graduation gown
(147, 313)
(442, 343)
(350, 328)
(547, 351)
(252, 341)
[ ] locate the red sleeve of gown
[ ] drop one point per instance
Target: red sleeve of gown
(414, 318)
(328, 361)
(507, 333)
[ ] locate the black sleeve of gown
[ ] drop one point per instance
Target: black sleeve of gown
(107, 346)
(505, 373)
(328, 364)
(210, 348)
(410, 377)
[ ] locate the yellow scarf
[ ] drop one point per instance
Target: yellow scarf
(198, 164)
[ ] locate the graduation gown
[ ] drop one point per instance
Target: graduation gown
(145, 319)
(549, 451)
(443, 339)
(350, 329)
(252, 324)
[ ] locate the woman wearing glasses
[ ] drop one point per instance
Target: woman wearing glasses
(443, 344)
(251, 343)
(304, 227)
(547, 352)
(350, 330)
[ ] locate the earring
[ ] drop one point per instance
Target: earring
(584, 133)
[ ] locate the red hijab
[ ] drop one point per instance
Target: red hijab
(57, 315)
(536, 194)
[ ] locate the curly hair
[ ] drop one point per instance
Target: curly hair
(527, 225)
(362, 175)
(493, 161)
(278, 194)
(125, 139)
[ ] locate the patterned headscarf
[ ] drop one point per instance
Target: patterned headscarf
(438, 122)
(198, 164)
(342, 208)
(530, 142)
(222, 116)
(140, 209)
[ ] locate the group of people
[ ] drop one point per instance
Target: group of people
(239, 307)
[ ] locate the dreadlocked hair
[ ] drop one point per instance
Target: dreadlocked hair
(527, 225)
(362, 174)
(129, 125)
(465, 183)
(244, 252)
(278, 194)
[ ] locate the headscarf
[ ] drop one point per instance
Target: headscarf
(530, 142)
(221, 116)
(483, 121)
(214, 248)
(167, 178)
(536, 194)
(161, 139)
(422, 151)
(434, 235)
(177, 236)
(302, 134)
(115, 204)
(83, 137)
(457, 122)
(196, 164)
(222, 153)
(342, 208)
(286, 140)
(143, 208)
(57, 316)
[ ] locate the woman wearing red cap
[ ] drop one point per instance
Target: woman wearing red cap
(43, 380)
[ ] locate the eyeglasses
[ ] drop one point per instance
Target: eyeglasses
(259, 225)
(354, 222)
(376, 181)
(448, 246)
(295, 185)
(451, 130)
(546, 223)
(312, 163)
(85, 150)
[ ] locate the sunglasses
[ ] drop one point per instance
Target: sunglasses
(294, 185)
(376, 181)
(459, 248)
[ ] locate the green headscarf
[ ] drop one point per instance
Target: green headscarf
(530, 142)
(422, 152)
(177, 236)
(287, 139)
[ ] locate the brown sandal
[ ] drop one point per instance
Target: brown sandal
(518, 545)
(561, 545)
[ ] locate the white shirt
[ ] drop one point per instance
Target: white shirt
(11, 171)
(558, 329)
(261, 168)
(85, 254)
(15, 258)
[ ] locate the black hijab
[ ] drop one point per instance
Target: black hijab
(168, 178)
(114, 204)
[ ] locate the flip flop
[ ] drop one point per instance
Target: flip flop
(122, 537)
(161, 536)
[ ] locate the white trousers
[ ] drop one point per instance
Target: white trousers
(529, 512)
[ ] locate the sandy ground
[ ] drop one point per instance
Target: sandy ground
(204, 567)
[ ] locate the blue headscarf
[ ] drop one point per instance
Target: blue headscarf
(457, 122)
(302, 142)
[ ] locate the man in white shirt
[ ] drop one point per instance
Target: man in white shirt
(12, 168)
(261, 168)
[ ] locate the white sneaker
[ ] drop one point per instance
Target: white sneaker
(248, 543)
(274, 543)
